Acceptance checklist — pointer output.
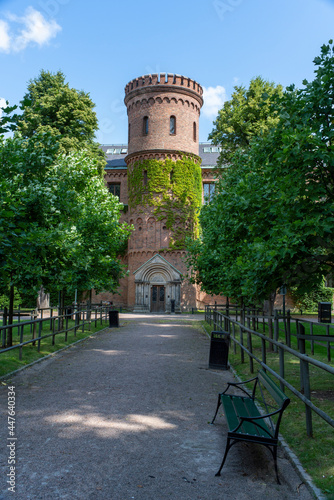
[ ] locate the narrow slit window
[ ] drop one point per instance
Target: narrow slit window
(172, 125)
(145, 177)
(194, 132)
(145, 125)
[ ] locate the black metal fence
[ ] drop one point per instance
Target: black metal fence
(44, 323)
(242, 334)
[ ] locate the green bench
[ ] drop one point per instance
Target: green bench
(245, 422)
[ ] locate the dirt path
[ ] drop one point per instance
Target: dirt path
(124, 415)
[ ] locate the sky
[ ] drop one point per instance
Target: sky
(100, 46)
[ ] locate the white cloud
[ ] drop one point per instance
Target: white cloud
(2, 105)
(4, 36)
(214, 98)
(21, 31)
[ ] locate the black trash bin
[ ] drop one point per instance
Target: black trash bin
(324, 312)
(113, 319)
(219, 347)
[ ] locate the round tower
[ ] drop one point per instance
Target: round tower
(164, 188)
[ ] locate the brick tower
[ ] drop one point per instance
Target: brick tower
(164, 188)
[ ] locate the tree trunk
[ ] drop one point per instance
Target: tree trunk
(61, 308)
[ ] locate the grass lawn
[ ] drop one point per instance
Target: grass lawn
(11, 361)
(316, 453)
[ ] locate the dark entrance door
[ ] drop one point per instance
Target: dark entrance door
(158, 298)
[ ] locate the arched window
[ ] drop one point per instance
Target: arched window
(172, 125)
(145, 125)
(194, 132)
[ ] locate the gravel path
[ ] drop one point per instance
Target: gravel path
(124, 415)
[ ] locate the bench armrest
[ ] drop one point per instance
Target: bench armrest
(260, 417)
(239, 384)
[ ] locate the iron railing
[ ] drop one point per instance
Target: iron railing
(242, 335)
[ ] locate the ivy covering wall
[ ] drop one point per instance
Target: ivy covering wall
(174, 189)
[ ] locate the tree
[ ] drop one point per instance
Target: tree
(50, 105)
(23, 205)
(272, 219)
(59, 226)
(246, 115)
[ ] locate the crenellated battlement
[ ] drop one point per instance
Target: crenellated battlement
(163, 82)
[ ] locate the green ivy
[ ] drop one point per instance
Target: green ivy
(174, 188)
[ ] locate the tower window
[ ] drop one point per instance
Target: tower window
(172, 125)
(145, 125)
(115, 189)
(145, 177)
(194, 132)
(129, 130)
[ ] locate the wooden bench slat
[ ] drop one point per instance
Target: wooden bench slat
(236, 406)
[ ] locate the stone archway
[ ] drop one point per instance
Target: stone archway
(158, 286)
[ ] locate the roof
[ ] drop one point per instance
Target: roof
(116, 154)
(209, 154)
(116, 163)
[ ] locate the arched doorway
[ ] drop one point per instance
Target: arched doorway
(158, 287)
(157, 298)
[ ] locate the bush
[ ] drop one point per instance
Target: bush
(309, 301)
(4, 299)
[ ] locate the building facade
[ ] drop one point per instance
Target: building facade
(162, 176)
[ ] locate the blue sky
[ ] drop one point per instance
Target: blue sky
(102, 45)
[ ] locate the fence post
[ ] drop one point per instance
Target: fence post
(301, 347)
(66, 327)
(250, 348)
(305, 381)
(242, 321)
(281, 366)
(270, 325)
(5, 316)
(328, 345)
(34, 326)
(39, 336)
(53, 331)
(312, 341)
(4, 323)
(288, 328)
(227, 314)
(21, 340)
(264, 352)
(276, 328)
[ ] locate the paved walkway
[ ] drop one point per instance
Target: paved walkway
(124, 415)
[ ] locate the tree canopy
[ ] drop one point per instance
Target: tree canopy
(246, 115)
(272, 219)
(59, 225)
(51, 105)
